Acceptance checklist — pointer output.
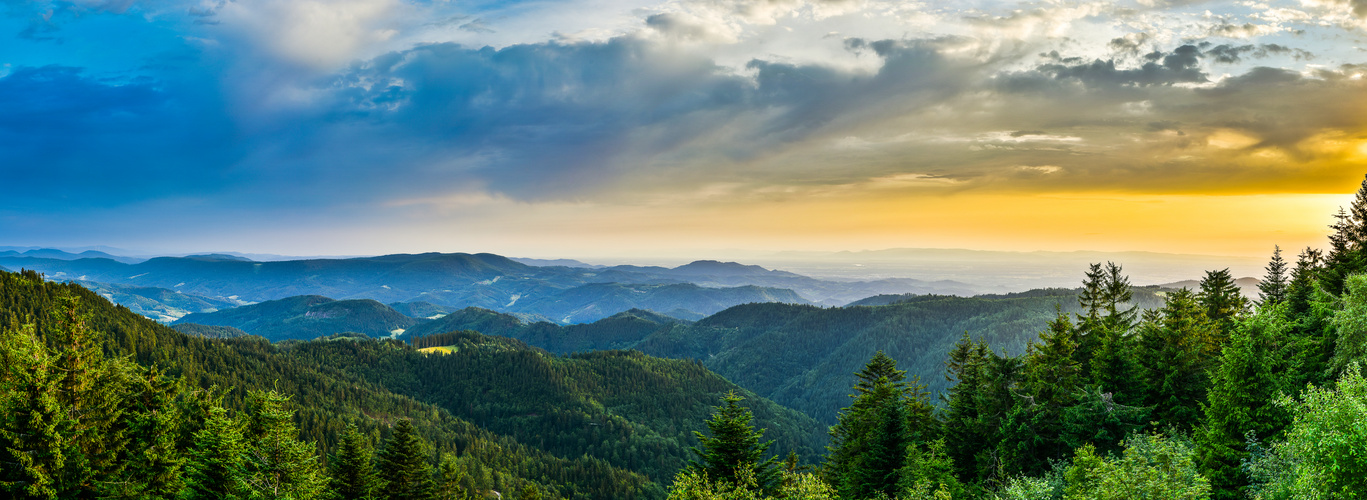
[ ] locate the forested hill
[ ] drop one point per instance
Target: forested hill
(802, 356)
(307, 317)
(635, 410)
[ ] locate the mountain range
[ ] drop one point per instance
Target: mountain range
(560, 294)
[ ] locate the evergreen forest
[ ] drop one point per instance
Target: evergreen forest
(1121, 392)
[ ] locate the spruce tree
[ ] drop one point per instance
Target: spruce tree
(1105, 323)
(1273, 288)
(279, 464)
(869, 442)
(1346, 252)
(1242, 400)
(1170, 354)
(1223, 303)
(965, 369)
(403, 465)
(352, 471)
(217, 469)
(32, 446)
(152, 421)
(734, 445)
(1033, 430)
(1303, 282)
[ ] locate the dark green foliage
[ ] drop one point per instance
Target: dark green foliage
(279, 464)
(209, 331)
(880, 446)
(218, 462)
(32, 455)
(734, 445)
(800, 356)
(326, 398)
(1223, 304)
(1242, 400)
(403, 465)
(632, 410)
(307, 317)
(962, 424)
(1272, 290)
(1033, 433)
(1171, 354)
(1104, 292)
(352, 472)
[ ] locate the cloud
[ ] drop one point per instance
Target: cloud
(1180, 66)
(321, 34)
(1232, 54)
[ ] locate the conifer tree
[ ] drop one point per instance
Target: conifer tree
(869, 442)
(1273, 288)
(403, 465)
(1303, 282)
(1350, 323)
(90, 392)
(1106, 322)
(1033, 431)
(279, 464)
(734, 445)
(32, 446)
(1171, 359)
(1223, 303)
(1242, 400)
(217, 469)
(1346, 253)
(152, 421)
(965, 368)
(352, 470)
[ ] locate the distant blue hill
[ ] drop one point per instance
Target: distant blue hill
(454, 281)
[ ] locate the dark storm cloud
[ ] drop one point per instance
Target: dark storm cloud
(552, 120)
(1180, 66)
(1231, 54)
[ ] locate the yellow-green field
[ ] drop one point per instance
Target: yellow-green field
(446, 349)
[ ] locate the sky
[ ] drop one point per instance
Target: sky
(580, 128)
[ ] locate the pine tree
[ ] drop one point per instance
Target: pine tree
(965, 368)
(734, 445)
(1346, 253)
(1170, 355)
(32, 446)
(353, 473)
(1033, 431)
(869, 442)
(1242, 400)
(279, 464)
(1273, 288)
(217, 469)
(403, 465)
(1223, 303)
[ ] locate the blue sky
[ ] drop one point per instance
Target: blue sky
(612, 127)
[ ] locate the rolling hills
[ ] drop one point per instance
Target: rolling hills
(802, 356)
(602, 425)
(562, 294)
